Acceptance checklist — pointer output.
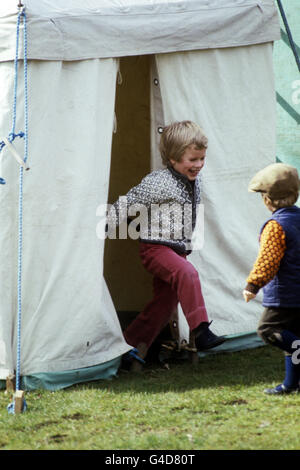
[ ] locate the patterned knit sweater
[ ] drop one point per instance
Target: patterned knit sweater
(271, 252)
(167, 204)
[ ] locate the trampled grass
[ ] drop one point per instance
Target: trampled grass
(217, 404)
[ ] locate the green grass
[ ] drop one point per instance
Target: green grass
(217, 404)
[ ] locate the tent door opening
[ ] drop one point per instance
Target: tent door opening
(128, 282)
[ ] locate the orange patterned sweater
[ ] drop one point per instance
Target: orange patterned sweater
(271, 251)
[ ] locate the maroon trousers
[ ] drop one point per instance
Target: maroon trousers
(175, 281)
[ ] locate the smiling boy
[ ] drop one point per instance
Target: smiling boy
(163, 252)
(191, 162)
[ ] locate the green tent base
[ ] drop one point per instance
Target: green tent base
(237, 342)
(59, 380)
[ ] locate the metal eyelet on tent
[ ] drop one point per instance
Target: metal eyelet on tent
(160, 130)
(156, 82)
(20, 6)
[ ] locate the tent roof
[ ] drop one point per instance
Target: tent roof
(75, 30)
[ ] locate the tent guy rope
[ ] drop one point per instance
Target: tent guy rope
(7, 142)
(19, 404)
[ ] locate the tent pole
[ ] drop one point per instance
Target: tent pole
(289, 33)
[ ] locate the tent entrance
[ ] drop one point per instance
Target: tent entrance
(128, 282)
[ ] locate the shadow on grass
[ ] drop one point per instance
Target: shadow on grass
(245, 368)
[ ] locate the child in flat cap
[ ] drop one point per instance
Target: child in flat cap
(277, 269)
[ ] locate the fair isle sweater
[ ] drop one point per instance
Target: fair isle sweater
(164, 205)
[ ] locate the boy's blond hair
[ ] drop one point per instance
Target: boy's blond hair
(177, 136)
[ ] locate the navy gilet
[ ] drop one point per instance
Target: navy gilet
(284, 289)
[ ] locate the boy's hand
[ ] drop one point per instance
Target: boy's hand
(248, 295)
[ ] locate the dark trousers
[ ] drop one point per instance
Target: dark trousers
(276, 319)
(175, 280)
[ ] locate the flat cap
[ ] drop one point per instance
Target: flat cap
(277, 180)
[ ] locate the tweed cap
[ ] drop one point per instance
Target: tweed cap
(277, 180)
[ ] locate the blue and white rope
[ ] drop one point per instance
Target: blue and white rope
(12, 134)
(11, 407)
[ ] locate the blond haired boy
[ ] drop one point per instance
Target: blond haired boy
(163, 252)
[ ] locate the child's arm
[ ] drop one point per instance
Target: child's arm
(146, 193)
(271, 252)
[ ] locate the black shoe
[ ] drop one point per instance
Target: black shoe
(206, 339)
(281, 390)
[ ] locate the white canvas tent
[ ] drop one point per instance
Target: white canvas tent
(209, 61)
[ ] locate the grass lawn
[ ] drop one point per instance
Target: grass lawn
(217, 404)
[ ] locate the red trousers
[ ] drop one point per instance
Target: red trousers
(175, 281)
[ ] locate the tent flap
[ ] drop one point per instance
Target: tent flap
(123, 28)
(241, 140)
(65, 301)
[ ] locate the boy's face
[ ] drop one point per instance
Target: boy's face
(191, 162)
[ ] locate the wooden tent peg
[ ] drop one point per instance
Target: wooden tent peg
(10, 384)
(19, 401)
